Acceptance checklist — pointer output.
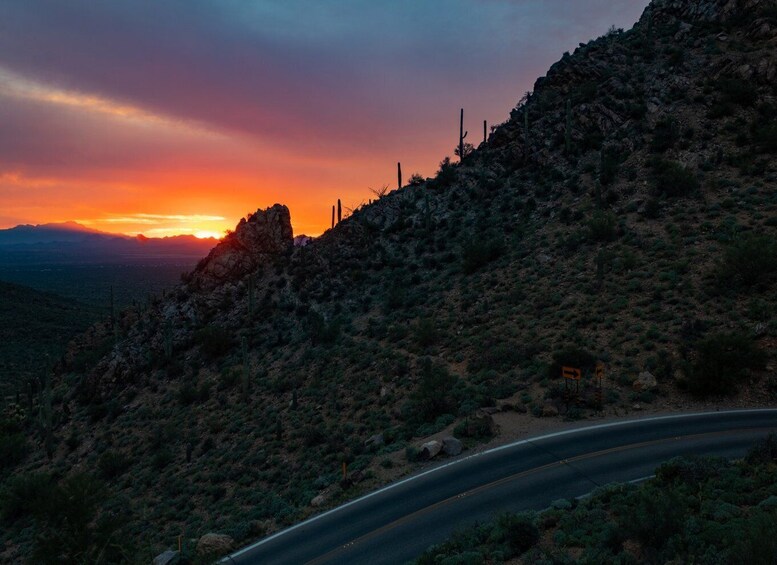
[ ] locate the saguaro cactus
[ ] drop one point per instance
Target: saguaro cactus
(399, 174)
(485, 127)
(568, 130)
(333, 215)
(246, 369)
(250, 297)
(46, 425)
(462, 135)
(339, 211)
(168, 335)
(526, 128)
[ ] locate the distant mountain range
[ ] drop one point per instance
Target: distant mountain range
(71, 242)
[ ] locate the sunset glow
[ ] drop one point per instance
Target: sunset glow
(189, 124)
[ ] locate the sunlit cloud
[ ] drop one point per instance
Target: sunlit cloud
(18, 86)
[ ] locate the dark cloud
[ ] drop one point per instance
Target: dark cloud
(317, 75)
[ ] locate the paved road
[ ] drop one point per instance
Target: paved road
(396, 523)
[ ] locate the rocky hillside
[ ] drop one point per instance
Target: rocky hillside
(625, 213)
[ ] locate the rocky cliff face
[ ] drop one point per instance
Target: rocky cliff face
(258, 239)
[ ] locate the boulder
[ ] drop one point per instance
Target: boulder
(549, 411)
(645, 382)
(214, 544)
(376, 440)
(258, 239)
(318, 500)
(451, 445)
(168, 557)
(429, 450)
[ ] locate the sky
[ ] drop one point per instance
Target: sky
(165, 117)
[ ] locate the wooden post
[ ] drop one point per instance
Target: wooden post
(345, 470)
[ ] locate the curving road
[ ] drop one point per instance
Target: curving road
(396, 523)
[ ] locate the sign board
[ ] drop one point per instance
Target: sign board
(572, 373)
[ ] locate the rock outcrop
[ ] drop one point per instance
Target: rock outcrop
(263, 236)
(214, 544)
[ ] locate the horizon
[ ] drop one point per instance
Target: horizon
(221, 109)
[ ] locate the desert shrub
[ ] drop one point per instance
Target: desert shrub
(13, 447)
(320, 330)
(416, 180)
(446, 175)
(425, 333)
(654, 516)
(112, 464)
(748, 261)
(433, 396)
(721, 362)
(608, 168)
(520, 532)
(601, 226)
(190, 392)
(22, 494)
(736, 91)
(72, 528)
(765, 451)
(689, 471)
(672, 178)
(214, 341)
(764, 134)
(478, 252)
(665, 135)
(571, 357)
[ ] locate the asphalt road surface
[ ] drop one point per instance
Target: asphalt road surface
(397, 523)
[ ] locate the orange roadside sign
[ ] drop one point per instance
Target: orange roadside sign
(572, 373)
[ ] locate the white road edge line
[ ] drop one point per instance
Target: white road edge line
(482, 453)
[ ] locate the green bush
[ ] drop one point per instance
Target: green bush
(13, 448)
(602, 226)
(571, 357)
(214, 341)
(22, 494)
(478, 252)
(765, 451)
(672, 178)
(748, 261)
(665, 135)
(112, 464)
(736, 91)
(520, 532)
(721, 362)
(433, 396)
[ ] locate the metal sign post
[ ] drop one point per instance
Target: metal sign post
(599, 379)
(571, 374)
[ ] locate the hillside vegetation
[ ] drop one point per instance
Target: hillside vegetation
(35, 328)
(625, 213)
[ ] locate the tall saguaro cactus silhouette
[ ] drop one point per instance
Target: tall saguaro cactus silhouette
(339, 211)
(462, 135)
(399, 174)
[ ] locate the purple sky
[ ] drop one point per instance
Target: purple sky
(112, 109)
